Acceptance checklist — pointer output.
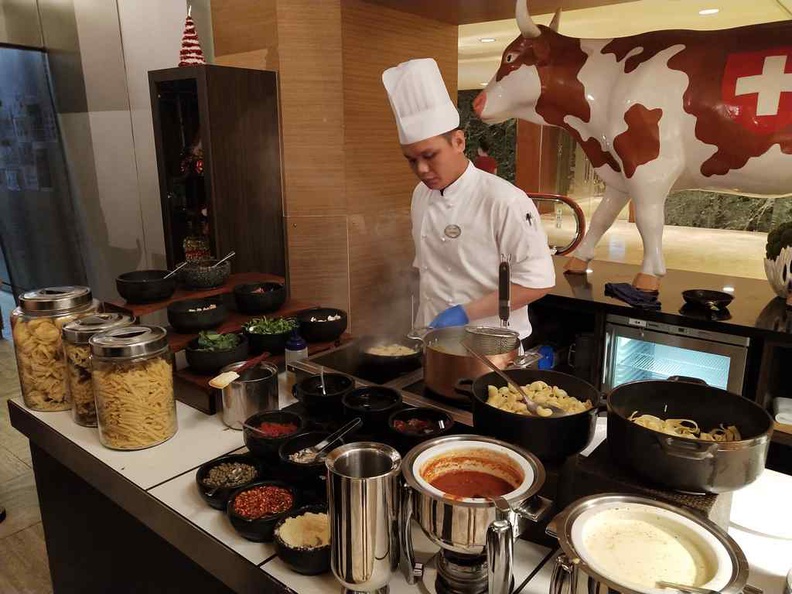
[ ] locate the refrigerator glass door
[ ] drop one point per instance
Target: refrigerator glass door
(635, 354)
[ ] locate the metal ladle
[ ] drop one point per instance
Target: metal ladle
(532, 407)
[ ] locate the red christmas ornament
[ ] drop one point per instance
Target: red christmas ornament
(191, 53)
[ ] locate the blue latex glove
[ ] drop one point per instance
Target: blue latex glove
(453, 316)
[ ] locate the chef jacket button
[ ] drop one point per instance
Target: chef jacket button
(442, 239)
(423, 236)
(425, 267)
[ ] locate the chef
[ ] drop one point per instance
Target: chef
(464, 220)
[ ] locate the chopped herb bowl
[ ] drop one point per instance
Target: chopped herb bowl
(219, 498)
(269, 334)
(210, 352)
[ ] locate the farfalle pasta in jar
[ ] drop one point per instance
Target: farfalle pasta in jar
(36, 326)
(78, 361)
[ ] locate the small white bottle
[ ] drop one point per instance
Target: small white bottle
(296, 348)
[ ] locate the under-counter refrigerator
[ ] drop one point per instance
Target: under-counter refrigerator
(644, 350)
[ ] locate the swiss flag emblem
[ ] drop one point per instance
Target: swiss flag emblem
(757, 89)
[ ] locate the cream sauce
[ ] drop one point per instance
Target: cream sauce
(642, 549)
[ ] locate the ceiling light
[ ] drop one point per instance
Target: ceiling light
(728, 289)
(487, 40)
(484, 84)
(708, 11)
(589, 270)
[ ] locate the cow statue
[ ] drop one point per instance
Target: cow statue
(655, 113)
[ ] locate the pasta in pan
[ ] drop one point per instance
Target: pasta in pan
(686, 428)
(507, 398)
(134, 403)
(40, 362)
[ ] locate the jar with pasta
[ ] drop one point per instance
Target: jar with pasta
(36, 327)
(78, 361)
(133, 386)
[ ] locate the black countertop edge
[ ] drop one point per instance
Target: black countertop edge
(237, 572)
(755, 312)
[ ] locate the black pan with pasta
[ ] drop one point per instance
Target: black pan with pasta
(687, 463)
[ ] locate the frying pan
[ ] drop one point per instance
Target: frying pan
(402, 361)
(707, 299)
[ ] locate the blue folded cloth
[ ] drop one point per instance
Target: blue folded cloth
(632, 296)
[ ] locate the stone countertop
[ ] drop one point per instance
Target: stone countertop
(159, 483)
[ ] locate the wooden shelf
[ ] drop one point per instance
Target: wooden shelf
(181, 293)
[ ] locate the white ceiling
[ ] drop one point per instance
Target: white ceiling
(478, 61)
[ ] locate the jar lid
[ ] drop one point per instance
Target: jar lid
(132, 341)
(81, 329)
(55, 299)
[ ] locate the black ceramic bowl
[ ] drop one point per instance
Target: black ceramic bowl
(405, 440)
(707, 299)
(309, 392)
(322, 331)
(373, 404)
(202, 275)
(220, 497)
(260, 529)
(273, 344)
(145, 286)
(186, 321)
(309, 476)
(248, 302)
(304, 560)
(267, 447)
(210, 362)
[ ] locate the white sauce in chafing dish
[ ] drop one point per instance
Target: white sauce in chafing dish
(640, 549)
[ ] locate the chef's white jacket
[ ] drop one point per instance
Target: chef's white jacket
(491, 217)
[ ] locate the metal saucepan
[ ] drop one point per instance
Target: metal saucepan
(446, 361)
(551, 439)
(412, 360)
(679, 462)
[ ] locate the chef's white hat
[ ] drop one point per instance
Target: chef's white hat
(419, 100)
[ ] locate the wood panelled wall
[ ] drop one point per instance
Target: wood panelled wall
(347, 187)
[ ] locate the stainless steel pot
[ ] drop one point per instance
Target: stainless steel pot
(363, 505)
(578, 570)
(470, 526)
(446, 361)
(254, 391)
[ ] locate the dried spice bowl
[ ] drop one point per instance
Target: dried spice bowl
(203, 274)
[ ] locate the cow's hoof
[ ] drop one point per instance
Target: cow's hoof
(576, 266)
(646, 282)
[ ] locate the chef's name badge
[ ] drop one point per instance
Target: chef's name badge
(453, 231)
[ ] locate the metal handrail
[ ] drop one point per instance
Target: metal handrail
(580, 220)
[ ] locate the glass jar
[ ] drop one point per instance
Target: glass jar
(36, 326)
(78, 361)
(133, 387)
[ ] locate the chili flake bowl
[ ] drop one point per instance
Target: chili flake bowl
(219, 498)
(267, 447)
(259, 529)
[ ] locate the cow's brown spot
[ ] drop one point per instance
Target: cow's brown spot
(558, 60)
(640, 143)
(704, 59)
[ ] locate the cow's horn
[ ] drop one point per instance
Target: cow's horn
(556, 20)
(524, 21)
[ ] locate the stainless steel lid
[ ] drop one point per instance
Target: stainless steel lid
(80, 330)
(55, 299)
(132, 341)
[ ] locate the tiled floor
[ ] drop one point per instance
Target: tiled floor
(23, 555)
